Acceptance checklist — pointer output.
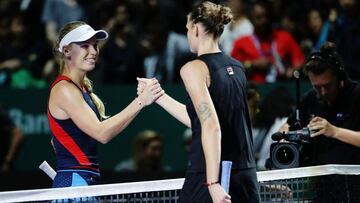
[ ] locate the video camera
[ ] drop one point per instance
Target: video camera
(289, 154)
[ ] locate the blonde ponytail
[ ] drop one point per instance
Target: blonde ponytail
(97, 101)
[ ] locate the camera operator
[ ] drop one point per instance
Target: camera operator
(332, 112)
(331, 109)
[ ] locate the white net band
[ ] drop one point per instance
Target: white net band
(264, 177)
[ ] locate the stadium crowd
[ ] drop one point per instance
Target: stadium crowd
(147, 37)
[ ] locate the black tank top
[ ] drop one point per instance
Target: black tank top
(228, 93)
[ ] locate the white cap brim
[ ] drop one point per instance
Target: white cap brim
(80, 34)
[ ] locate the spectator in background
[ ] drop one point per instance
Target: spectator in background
(269, 54)
(4, 62)
(177, 53)
(240, 26)
(348, 39)
(57, 13)
(148, 147)
(21, 60)
(155, 61)
(177, 49)
(123, 56)
(320, 26)
(170, 49)
(167, 45)
(274, 109)
(11, 138)
(149, 12)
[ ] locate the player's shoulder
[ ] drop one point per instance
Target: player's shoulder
(193, 72)
(193, 67)
(65, 89)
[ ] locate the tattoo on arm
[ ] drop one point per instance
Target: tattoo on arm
(204, 112)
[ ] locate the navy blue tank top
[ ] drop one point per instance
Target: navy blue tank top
(228, 93)
(74, 149)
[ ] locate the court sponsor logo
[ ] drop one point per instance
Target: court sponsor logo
(30, 123)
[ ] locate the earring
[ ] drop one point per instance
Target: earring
(67, 56)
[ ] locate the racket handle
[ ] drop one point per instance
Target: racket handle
(44, 166)
(225, 175)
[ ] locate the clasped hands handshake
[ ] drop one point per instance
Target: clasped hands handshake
(149, 90)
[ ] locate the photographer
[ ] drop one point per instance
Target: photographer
(331, 110)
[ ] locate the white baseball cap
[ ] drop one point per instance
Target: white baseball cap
(80, 34)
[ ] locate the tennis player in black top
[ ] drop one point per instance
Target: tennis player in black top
(217, 112)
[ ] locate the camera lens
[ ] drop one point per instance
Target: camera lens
(285, 155)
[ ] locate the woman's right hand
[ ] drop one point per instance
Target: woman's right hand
(149, 90)
(218, 194)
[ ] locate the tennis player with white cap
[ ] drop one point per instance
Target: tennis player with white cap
(80, 34)
(76, 115)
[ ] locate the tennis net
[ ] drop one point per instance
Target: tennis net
(327, 183)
